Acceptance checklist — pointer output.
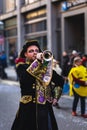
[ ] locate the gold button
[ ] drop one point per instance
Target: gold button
(33, 86)
(34, 100)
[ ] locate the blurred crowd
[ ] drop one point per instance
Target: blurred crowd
(66, 64)
(67, 61)
(74, 71)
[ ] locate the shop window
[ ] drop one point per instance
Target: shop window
(42, 41)
(35, 27)
(10, 22)
(12, 32)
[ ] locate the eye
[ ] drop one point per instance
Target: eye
(37, 50)
(32, 51)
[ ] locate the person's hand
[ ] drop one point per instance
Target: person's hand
(86, 83)
(54, 101)
(39, 56)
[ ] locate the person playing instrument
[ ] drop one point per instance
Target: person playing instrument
(35, 76)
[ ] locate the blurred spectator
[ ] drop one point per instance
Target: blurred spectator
(78, 85)
(57, 67)
(12, 56)
(58, 70)
(65, 61)
(3, 64)
(4, 59)
(84, 60)
(72, 56)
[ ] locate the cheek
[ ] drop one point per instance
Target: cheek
(29, 55)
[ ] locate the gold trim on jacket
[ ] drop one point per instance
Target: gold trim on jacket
(26, 99)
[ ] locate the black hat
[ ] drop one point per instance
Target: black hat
(27, 44)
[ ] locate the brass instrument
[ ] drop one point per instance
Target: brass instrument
(47, 55)
(42, 70)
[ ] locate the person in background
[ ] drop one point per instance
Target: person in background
(73, 54)
(35, 107)
(3, 60)
(78, 85)
(58, 70)
(65, 64)
(12, 56)
(84, 60)
(57, 67)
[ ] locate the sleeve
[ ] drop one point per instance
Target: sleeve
(20, 62)
(58, 79)
(59, 82)
(57, 92)
(78, 81)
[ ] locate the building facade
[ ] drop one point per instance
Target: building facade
(58, 25)
(74, 27)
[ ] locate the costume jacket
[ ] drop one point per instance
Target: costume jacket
(77, 78)
(33, 114)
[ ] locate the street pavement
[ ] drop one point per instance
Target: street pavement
(9, 103)
(12, 76)
(11, 73)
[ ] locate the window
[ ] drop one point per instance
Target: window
(36, 27)
(10, 5)
(42, 41)
(11, 32)
(10, 22)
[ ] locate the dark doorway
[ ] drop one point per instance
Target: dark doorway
(74, 33)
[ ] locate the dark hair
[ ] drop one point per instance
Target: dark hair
(27, 44)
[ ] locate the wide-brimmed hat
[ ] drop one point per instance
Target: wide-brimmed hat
(28, 44)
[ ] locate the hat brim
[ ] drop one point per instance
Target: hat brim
(28, 44)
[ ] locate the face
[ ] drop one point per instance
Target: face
(79, 62)
(31, 52)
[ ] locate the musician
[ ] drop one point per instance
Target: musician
(35, 110)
